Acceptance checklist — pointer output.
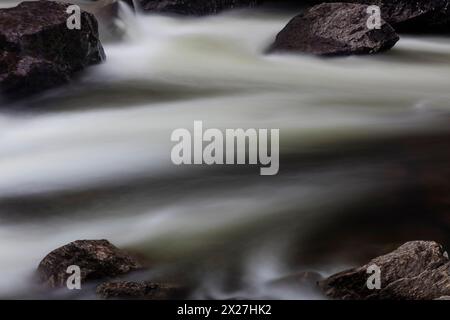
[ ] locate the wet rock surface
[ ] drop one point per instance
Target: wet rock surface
(37, 49)
(415, 16)
(138, 290)
(302, 280)
(332, 30)
(97, 259)
(417, 270)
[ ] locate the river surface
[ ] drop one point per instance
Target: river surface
(92, 160)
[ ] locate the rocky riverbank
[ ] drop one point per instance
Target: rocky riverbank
(417, 270)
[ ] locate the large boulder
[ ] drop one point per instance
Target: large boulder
(24, 75)
(139, 290)
(424, 16)
(97, 259)
(417, 270)
(429, 285)
(334, 29)
(37, 49)
(304, 281)
(195, 7)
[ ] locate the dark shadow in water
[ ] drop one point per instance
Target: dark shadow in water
(122, 95)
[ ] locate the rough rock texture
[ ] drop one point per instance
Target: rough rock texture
(37, 49)
(97, 259)
(415, 16)
(137, 290)
(429, 285)
(25, 75)
(195, 7)
(334, 29)
(418, 16)
(416, 270)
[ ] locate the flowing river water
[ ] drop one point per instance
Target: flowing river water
(92, 160)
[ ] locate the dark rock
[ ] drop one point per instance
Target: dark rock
(334, 29)
(39, 51)
(429, 285)
(97, 259)
(301, 280)
(129, 3)
(27, 75)
(423, 16)
(137, 290)
(416, 270)
(195, 7)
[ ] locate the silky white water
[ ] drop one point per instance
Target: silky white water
(92, 160)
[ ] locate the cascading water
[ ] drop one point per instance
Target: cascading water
(92, 160)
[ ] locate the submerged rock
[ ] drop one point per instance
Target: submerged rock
(37, 49)
(195, 7)
(334, 29)
(417, 270)
(138, 290)
(97, 259)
